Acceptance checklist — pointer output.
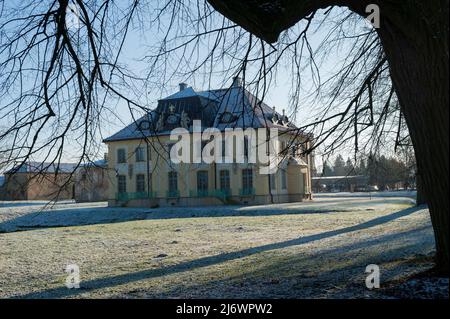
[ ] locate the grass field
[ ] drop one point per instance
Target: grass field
(313, 249)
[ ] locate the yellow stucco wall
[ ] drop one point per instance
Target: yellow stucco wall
(159, 166)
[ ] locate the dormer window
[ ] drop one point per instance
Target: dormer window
(172, 119)
(144, 125)
(227, 117)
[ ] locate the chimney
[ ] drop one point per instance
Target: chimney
(183, 86)
(284, 119)
(237, 81)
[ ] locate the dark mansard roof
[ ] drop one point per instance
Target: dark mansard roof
(38, 167)
(233, 107)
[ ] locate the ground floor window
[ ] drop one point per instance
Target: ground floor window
(247, 178)
(173, 181)
(140, 183)
(122, 184)
(202, 181)
(224, 179)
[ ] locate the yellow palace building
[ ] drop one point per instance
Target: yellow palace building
(142, 173)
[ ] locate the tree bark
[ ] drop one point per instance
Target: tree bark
(415, 40)
(421, 198)
(414, 35)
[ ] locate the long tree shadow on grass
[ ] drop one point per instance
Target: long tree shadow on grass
(210, 260)
(315, 274)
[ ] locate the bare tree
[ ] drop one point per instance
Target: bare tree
(60, 84)
(414, 37)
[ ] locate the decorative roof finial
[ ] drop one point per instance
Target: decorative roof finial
(183, 86)
(274, 116)
(284, 119)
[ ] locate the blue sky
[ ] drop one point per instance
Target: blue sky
(142, 40)
(138, 45)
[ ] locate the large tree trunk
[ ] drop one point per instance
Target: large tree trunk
(421, 198)
(414, 34)
(415, 40)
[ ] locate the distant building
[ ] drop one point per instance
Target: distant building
(38, 181)
(357, 183)
(140, 169)
(92, 182)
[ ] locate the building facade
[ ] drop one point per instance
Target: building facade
(38, 181)
(92, 182)
(143, 174)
